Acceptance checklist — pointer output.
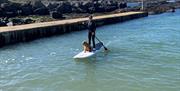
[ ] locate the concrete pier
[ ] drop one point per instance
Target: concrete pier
(28, 32)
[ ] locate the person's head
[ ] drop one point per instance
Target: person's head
(90, 17)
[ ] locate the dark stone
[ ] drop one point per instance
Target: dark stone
(110, 8)
(39, 8)
(4, 1)
(17, 21)
(41, 11)
(10, 9)
(56, 15)
(52, 7)
(37, 4)
(28, 21)
(76, 8)
(86, 6)
(122, 5)
(26, 9)
(1, 14)
(163, 2)
(100, 9)
(64, 7)
(2, 23)
(91, 10)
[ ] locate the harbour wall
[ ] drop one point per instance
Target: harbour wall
(24, 33)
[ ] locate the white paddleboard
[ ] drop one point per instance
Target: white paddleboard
(88, 54)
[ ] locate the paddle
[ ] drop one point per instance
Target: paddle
(102, 44)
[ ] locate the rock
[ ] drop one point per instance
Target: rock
(39, 8)
(27, 9)
(52, 7)
(100, 9)
(41, 11)
(76, 8)
(86, 6)
(1, 14)
(37, 4)
(110, 8)
(4, 1)
(10, 9)
(2, 23)
(122, 5)
(65, 7)
(17, 21)
(56, 15)
(28, 21)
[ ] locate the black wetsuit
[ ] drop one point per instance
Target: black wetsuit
(91, 30)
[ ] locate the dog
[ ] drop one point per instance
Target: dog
(86, 47)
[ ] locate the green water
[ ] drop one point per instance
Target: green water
(144, 56)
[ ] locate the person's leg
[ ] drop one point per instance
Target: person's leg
(89, 38)
(93, 40)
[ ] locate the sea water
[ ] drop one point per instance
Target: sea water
(144, 56)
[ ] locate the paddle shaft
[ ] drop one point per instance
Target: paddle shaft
(102, 43)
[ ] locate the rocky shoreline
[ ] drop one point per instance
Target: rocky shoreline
(41, 11)
(56, 10)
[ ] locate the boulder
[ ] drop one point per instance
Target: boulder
(4, 1)
(110, 8)
(122, 5)
(86, 6)
(41, 11)
(99, 7)
(39, 8)
(1, 14)
(2, 23)
(56, 15)
(77, 9)
(91, 10)
(10, 9)
(37, 4)
(64, 7)
(52, 7)
(26, 9)
(17, 21)
(28, 21)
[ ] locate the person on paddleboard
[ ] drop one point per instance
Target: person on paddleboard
(91, 31)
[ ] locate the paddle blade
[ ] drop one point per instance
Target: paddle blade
(105, 48)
